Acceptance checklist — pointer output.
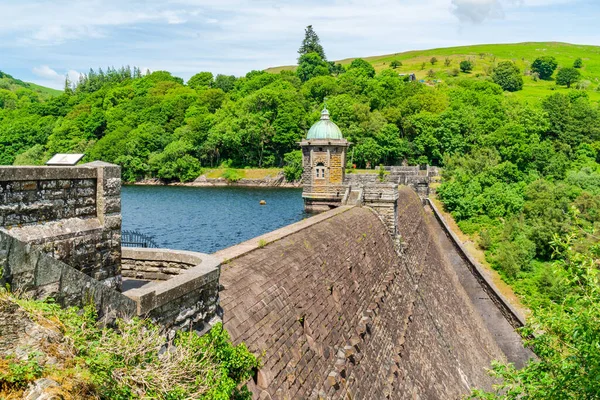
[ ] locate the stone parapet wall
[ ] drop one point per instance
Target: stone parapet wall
(72, 213)
(156, 264)
(29, 202)
(188, 300)
(31, 272)
(413, 176)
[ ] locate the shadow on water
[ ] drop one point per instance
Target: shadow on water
(208, 219)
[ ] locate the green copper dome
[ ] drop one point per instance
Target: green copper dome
(324, 128)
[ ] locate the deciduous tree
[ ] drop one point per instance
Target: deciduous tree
(567, 76)
(508, 76)
(544, 66)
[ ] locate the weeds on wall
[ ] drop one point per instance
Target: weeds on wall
(130, 361)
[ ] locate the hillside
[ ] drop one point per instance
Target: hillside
(8, 82)
(485, 55)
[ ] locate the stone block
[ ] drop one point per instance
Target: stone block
(47, 272)
(29, 185)
(112, 204)
(112, 222)
(112, 187)
(22, 258)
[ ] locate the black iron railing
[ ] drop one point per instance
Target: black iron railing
(137, 239)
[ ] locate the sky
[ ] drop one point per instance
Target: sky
(42, 41)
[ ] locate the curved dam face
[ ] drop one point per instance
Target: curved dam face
(338, 313)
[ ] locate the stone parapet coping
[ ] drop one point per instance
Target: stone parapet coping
(238, 250)
(36, 173)
(149, 297)
(168, 255)
(510, 313)
(55, 230)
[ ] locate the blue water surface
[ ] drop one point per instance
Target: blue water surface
(207, 219)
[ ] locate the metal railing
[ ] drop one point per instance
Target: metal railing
(137, 239)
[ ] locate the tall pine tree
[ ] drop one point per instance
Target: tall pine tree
(311, 44)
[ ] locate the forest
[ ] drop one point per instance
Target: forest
(521, 178)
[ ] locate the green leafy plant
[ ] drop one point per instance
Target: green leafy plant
(381, 173)
(128, 362)
(232, 175)
(18, 374)
(292, 168)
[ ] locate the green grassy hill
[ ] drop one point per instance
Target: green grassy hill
(486, 55)
(13, 84)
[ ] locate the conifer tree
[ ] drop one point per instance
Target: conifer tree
(68, 85)
(311, 44)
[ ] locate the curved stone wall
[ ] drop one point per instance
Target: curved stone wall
(337, 313)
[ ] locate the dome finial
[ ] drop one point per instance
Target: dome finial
(325, 112)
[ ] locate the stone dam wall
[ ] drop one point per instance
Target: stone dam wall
(338, 314)
(73, 213)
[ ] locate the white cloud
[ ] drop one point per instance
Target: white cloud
(477, 11)
(235, 36)
(46, 72)
(49, 77)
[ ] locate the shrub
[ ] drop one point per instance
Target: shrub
(232, 175)
(381, 173)
(466, 66)
(17, 374)
(485, 239)
(129, 362)
(515, 256)
(578, 63)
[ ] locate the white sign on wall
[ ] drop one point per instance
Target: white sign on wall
(65, 159)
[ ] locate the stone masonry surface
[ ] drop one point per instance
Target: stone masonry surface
(340, 315)
(72, 213)
(496, 312)
(33, 273)
(188, 300)
(61, 238)
(156, 264)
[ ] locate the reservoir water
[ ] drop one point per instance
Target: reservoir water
(207, 219)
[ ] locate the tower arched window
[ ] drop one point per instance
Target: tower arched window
(320, 171)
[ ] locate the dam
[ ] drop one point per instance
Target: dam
(373, 298)
(340, 312)
(336, 305)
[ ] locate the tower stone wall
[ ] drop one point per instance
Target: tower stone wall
(324, 173)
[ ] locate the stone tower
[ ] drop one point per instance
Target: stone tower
(324, 162)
